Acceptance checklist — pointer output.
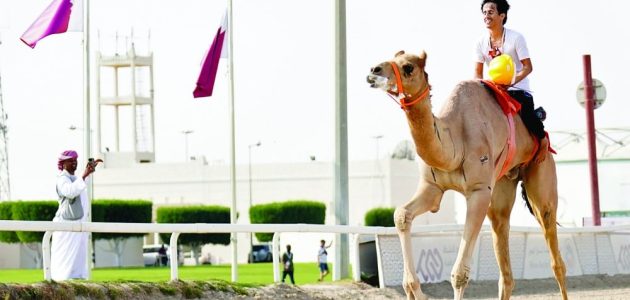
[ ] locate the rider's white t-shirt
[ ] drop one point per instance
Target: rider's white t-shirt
(513, 44)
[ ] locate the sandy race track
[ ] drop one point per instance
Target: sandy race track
(590, 287)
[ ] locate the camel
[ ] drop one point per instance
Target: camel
(464, 148)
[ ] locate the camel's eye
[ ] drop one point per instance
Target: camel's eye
(408, 68)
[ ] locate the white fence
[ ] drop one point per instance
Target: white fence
(388, 253)
(176, 229)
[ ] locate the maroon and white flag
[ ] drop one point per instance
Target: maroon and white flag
(208, 74)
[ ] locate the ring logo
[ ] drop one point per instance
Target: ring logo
(430, 265)
(624, 257)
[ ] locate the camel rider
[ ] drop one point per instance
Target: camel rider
(500, 40)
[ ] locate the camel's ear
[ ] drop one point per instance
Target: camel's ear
(423, 58)
(401, 52)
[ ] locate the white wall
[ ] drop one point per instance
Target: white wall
(575, 193)
(386, 183)
(131, 253)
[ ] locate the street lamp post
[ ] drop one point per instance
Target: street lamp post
(186, 133)
(377, 138)
(379, 172)
(249, 167)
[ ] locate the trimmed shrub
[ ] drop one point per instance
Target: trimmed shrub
(5, 214)
(120, 211)
(290, 212)
(33, 211)
(380, 216)
(195, 214)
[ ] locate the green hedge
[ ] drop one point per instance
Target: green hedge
(289, 212)
(120, 211)
(380, 217)
(33, 211)
(5, 214)
(195, 214)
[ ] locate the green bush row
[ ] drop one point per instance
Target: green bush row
(5, 214)
(196, 214)
(380, 217)
(121, 211)
(127, 211)
(139, 211)
(289, 212)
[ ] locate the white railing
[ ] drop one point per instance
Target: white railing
(176, 229)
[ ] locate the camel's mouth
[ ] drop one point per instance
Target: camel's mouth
(377, 82)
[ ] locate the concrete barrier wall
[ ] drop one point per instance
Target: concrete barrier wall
(434, 255)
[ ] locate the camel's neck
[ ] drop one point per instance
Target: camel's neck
(436, 150)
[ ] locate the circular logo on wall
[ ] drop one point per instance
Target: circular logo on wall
(430, 265)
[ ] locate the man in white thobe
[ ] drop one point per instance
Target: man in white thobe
(69, 249)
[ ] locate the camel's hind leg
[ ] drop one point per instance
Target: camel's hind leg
(542, 190)
(503, 197)
(426, 198)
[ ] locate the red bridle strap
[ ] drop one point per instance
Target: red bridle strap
(404, 101)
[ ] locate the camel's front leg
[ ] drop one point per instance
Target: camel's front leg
(477, 204)
(426, 198)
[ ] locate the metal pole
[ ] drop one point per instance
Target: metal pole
(249, 167)
(185, 146)
(590, 131)
(340, 267)
(232, 141)
(87, 123)
(186, 133)
(249, 176)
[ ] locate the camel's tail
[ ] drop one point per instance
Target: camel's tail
(524, 195)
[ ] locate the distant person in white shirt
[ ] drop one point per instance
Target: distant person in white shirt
(322, 259)
(69, 249)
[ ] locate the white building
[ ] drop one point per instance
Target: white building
(384, 183)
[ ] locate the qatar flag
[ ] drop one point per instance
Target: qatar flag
(208, 74)
(59, 17)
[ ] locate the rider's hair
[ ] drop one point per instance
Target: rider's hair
(502, 7)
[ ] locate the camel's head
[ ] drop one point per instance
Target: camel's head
(410, 70)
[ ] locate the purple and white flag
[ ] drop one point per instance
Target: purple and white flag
(59, 17)
(205, 82)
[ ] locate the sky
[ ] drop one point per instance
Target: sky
(284, 74)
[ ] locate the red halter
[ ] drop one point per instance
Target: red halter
(405, 102)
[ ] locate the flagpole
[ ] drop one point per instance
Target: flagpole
(232, 142)
(87, 123)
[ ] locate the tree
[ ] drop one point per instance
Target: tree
(120, 211)
(33, 211)
(196, 214)
(380, 217)
(289, 212)
(8, 237)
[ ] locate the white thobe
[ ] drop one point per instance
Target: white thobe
(68, 258)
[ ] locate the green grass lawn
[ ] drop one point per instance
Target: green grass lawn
(259, 273)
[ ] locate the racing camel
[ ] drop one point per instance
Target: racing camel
(466, 148)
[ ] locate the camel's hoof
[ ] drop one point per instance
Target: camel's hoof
(417, 294)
